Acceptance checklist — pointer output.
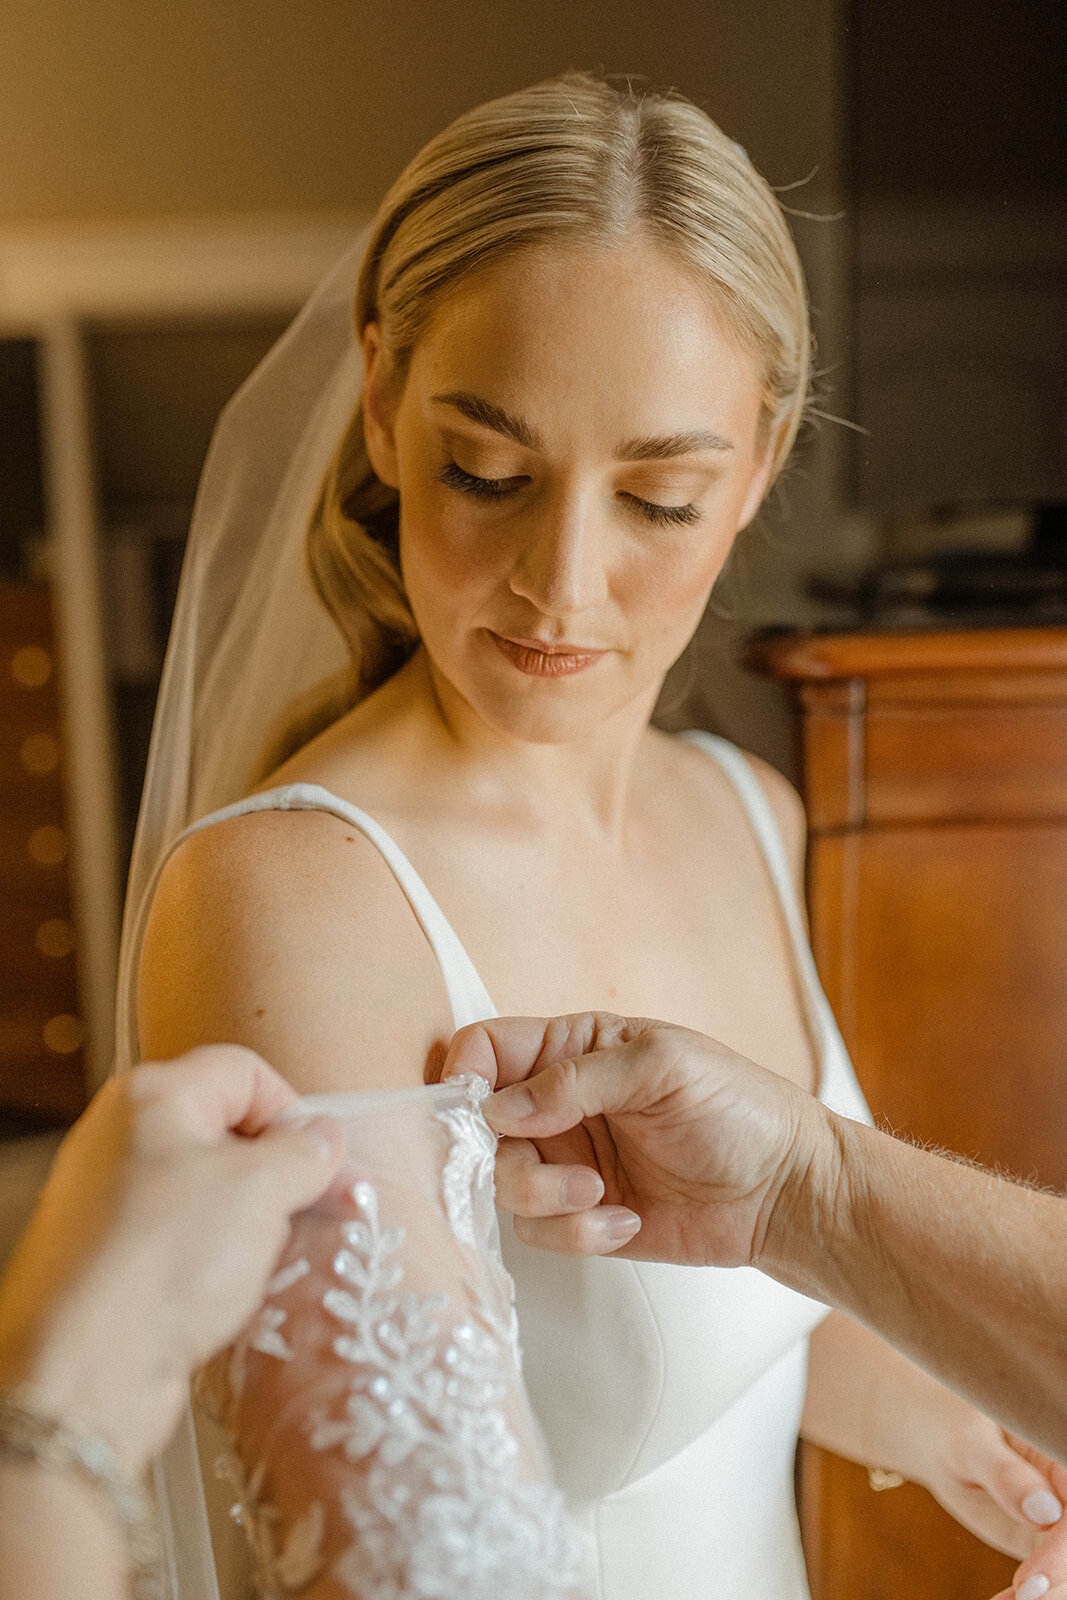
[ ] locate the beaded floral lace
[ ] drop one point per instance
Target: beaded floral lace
(380, 1443)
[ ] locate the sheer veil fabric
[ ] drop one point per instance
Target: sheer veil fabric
(248, 637)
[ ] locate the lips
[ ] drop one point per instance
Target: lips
(539, 658)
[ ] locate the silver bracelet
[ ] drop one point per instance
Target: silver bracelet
(29, 1433)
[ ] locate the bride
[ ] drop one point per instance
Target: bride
(581, 326)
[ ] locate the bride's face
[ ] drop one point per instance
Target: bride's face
(575, 447)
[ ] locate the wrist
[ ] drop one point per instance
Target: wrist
(73, 1378)
(814, 1202)
(36, 1440)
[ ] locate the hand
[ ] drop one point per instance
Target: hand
(668, 1131)
(1043, 1575)
(997, 1486)
(156, 1232)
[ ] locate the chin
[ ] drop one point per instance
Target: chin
(556, 715)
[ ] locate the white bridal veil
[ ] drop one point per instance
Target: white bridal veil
(248, 637)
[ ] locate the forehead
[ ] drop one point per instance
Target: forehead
(573, 335)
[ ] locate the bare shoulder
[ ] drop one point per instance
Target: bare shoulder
(788, 810)
(785, 802)
(287, 932)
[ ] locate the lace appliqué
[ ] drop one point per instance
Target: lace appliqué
(441, 1504)
(468, 1173)
(445, 1512)
(301, 1558)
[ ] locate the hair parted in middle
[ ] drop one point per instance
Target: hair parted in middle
(573, 158)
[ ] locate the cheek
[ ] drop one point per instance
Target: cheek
(446, 567)
(683, 577)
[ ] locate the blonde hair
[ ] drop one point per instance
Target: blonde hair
(574, 157)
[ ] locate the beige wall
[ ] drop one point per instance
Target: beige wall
(143, 108)
(136, 108)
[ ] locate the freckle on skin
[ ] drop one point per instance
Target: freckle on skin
(261, 1012)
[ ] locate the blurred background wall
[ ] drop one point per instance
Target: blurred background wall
(135, 108)
(128, 110)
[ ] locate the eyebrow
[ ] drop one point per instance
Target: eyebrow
(651, 447)
(488, 415)
(661, 447)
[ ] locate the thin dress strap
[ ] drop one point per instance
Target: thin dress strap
(467, 994)
(753, 797)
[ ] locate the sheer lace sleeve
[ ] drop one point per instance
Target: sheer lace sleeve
(380, 1442)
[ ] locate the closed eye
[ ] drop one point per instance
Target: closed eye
(664, 516)
(454, 477)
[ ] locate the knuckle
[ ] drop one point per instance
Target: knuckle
(516, 1167)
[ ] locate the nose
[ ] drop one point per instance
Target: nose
(562, 565)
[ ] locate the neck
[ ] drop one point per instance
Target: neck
(582, 784)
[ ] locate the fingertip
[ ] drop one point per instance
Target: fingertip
(328, 1138)
(470, 1050)
(508, 1107)
(1042, 1507)
(617, 1225)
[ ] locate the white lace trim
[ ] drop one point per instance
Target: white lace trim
(443, 1509)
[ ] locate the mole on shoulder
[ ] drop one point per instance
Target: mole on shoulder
(261, 1012)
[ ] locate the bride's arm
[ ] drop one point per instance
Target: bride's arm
(287, 932)
(380, 1436)
(871, 1404)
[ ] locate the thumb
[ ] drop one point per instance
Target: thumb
(301, 1159)
(568, 1091)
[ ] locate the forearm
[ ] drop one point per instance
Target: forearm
(964, 1271)
(58, 1538)
(865, 1400)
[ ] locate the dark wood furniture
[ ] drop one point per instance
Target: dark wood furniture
(42, 1074)
(935, 773)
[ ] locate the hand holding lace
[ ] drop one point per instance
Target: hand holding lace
(382, 1442)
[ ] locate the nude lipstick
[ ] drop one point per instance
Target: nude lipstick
(539, 659)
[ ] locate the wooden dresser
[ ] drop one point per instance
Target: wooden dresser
(934, 767)
(42, 1077)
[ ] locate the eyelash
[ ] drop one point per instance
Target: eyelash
(454, 477)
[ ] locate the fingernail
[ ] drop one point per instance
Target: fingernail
(509, 1106)
(1042, 1507)
(1034, 1587)
(618, 1224)
(327, 1134)
(581, 1189)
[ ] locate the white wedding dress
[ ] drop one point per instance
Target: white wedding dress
(669, 1397)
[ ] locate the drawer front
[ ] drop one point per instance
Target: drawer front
(952, 763)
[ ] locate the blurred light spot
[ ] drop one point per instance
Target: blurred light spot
(48, 846)
(55, 938)
(31, 666)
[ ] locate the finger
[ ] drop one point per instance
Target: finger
(212, 1090)
(565, 1093)
(586, 1233)
(1020, 1489)
(1047, 1563)
(504, 1050)
(1036, 1587)
(531, 1187)
(298, 1160)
